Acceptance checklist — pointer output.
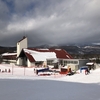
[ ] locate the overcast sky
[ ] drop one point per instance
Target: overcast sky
(51, 22)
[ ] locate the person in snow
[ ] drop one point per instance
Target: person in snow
(87, 71)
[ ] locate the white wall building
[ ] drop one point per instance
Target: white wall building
(30, 57)
(23, 43)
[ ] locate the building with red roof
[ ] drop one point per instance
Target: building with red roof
(42, 57)
(9, 57)
(30, 57)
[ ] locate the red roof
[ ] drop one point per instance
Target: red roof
(31, 59)
(9, 57)
(60, 53)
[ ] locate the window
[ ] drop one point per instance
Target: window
(65, 63)
(75, 62)
(49, 62)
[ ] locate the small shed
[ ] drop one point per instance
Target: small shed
(90, 65)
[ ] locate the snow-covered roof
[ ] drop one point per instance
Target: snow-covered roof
(89, 63)
(34, 54)
(65, 67)
(9, 54)
(40, 56)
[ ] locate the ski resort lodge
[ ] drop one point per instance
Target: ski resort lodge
(30, 57)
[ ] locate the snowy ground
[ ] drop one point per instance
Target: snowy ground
(24, 84)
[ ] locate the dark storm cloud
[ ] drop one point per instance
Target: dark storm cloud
(50, 21)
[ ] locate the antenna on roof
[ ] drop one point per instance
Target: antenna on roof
(24, 36)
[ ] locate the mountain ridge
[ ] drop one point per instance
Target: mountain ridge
(75, 51)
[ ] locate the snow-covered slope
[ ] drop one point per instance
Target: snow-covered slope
(28, 73)
(23, 84)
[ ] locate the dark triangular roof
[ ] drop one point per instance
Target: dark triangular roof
(22, 38)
